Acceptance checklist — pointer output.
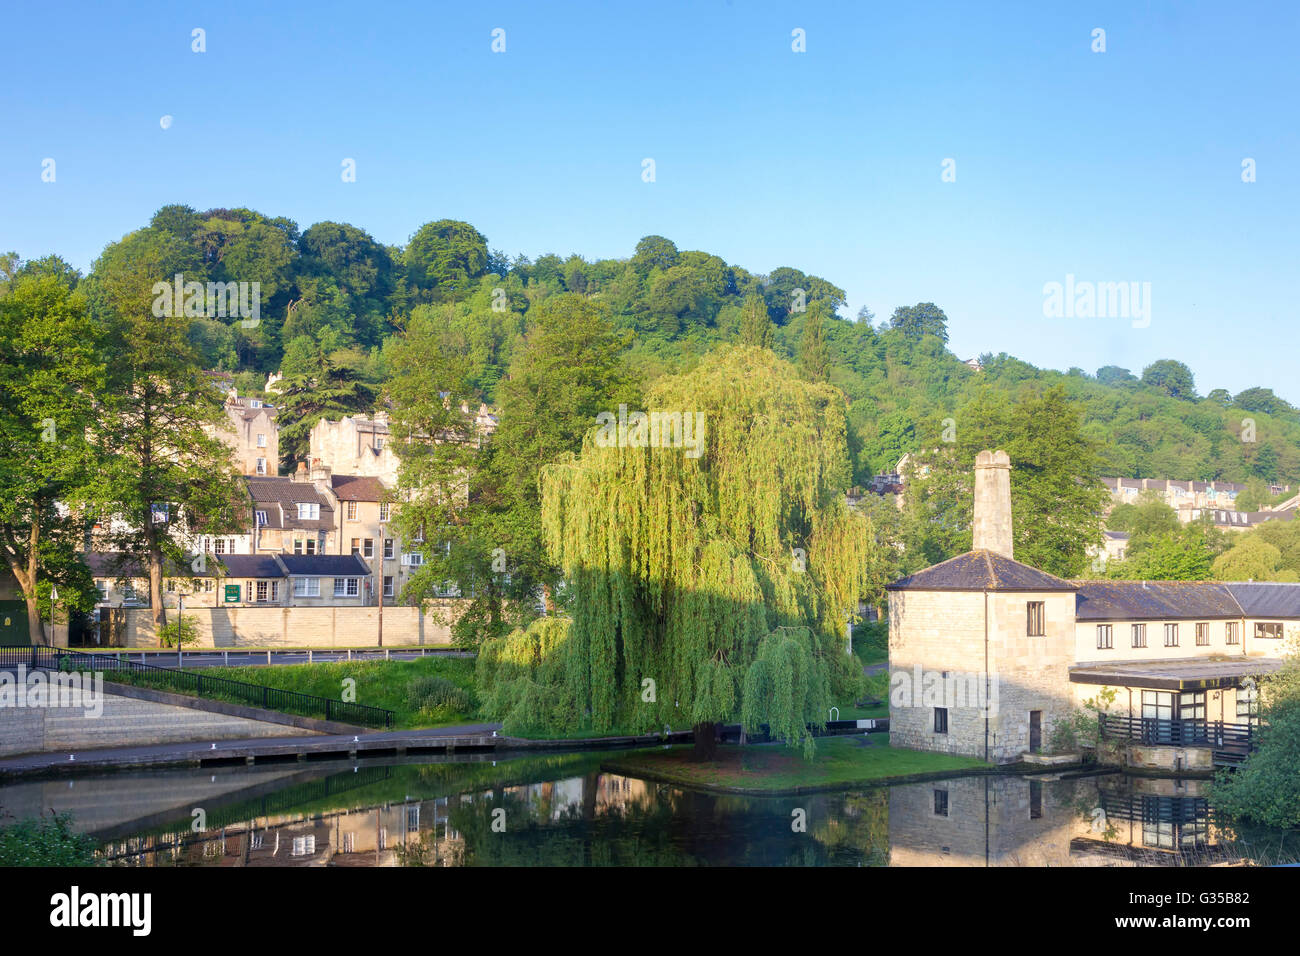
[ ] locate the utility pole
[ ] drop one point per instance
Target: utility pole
(381, 583)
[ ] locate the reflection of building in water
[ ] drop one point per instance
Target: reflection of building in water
(1109, 820)
(370, 836)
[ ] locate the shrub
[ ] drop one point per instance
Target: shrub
(46, 842)
(180, 629)
(433, 693)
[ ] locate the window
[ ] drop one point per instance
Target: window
(1035, 619)
(388, 548)
(262, 591)
(1268, 629)
(1191, 705)
(388, 586)
(304, 845)
(1139, 635)
(1230, 632)
(941, 803)
(306, 587)
(1171, 635)
(1105, 636)
(356, 545)
(1157, 705)
(379, 443)
(1202, 635)
(128, 594)
(383, 510)
(102, 586)
(1247, 702)
(254, 403)
(261, 440)
(941, 720)
(346, 587)
(368, 549)
(260, 517)
(261, 466)
(352, 510)
(413, 559)
(304, 545)
(308, 511)
(219, 545)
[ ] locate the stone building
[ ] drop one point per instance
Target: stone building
(989, 655)
(355, 445)
(254, 436)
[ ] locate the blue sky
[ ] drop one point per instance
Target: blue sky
(1115, 166)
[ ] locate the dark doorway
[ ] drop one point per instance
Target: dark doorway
(1035, 731)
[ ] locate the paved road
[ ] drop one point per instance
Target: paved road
(243, 658)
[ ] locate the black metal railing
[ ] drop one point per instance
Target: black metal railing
(255, 695)
(1230, 742)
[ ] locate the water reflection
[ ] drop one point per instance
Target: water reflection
(1098, 820)
(562, 810)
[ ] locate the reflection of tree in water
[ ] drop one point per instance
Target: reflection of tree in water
(859, 832)
(671, 827)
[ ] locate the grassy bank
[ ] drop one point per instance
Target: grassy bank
(386, 684)
(839, 762)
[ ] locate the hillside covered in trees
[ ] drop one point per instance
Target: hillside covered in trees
(334, 300)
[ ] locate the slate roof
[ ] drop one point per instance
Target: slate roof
(324, 565)
(1266, 598)
(980, 571)
(277, 495)
(1153, 600)
(250, 565)
(357, 488)
(119, 564)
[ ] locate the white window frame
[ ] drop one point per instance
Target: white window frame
(306, 587)
(351, 508)
(308, 511)
(261, 439)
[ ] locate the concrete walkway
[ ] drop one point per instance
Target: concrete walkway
(465, 736)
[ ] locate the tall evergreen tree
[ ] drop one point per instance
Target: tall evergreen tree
(755, 323)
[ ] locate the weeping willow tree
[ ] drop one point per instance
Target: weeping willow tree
(713, 567)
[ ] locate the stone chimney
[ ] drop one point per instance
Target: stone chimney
(992, 525)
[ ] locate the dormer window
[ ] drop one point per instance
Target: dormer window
(308, 511)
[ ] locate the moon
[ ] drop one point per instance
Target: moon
(165, 122)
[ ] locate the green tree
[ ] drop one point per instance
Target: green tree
(1056, 491)
(1172, 378)
(443, 258)
(1265, 789)
(50, 374)
(814, 358)
(165, 472)
(755, 323)
(569, 370)
(725, 578)
(924, 318)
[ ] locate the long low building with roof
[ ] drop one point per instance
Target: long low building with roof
(990, 657)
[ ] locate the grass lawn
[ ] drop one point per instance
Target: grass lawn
(379, 684)
(839, 762)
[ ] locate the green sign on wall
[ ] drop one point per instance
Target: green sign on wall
(232, 593)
